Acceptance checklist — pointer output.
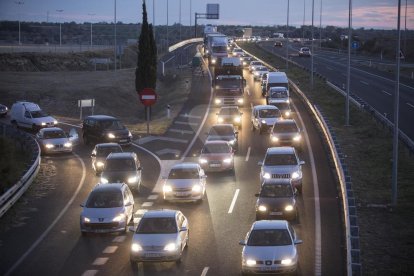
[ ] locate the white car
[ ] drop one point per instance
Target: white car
(264, 117)
(29, 115)
(259, 71)
(270, 247)
(54, 140)
(161, 236)
(304, 52)
(254, 64)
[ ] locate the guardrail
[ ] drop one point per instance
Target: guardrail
(29, 144)
(184, 42)
(348, 201)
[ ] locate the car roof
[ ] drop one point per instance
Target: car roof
(229, 107)
(50, 129)
(121, 155)
(186, 165)
(263, 106)
(286, 122)
(164, 213)
(108, 187)
(101, 117)
(104, 145)
(270, 224)
(280, 150)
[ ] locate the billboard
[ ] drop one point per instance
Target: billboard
(212, 11)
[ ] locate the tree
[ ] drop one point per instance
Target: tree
(145, 74)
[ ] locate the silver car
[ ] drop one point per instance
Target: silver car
(259, 71)
(108, 208)
(161, 236)
(286, 132)
(185, 182)
(264, 117)
(217, 156)
(270, 247)
(99, 154)
(54, 140)
(254, 64)
(282, 162)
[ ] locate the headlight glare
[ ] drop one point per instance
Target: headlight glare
(202, 161)
(295, 175)
(132, 179)
(197, 188)
(297, 138)
(104, 180)
(43, 123)
(99, 164)
(262, 208)
(55, 122)
(250, 262)
(167, 189)
(220, 120)
(266, 175)
(119, 217)
(275, 139)
(217, 101)
(227, 160)
(286, 261)
(49, 146)
(136, 247)
(67, 145)
(240, 101)
(263, 121)
(289, 208)
(111, 136)
(287, 113)
(85, 219)
(237, 119)
(170, 247)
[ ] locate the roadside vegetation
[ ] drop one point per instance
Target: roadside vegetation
(386, 234)
(12, 163)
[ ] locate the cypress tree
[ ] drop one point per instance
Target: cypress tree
(154, 59)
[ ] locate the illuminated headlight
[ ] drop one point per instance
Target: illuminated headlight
(217, 101)
(119, 217)
(287, 100)
(170, 247)
(85, 219)
(289, 208)
(55, 122)
(275, 139)
(297, 138)
(287, 113)
(234, 54)
(99, 164)
(240, 101)
(295, 175)
(220, 120)
(237, 119)
(111, 136)
(241, 58)
(286, 261)
(262, 208)
(244, 63)
(68, 145)
(43, 123)
(213, 61)
(266, 175)
(232, 142)
(263, 121)
(227, 160)
(133, 179)
(202, 161)
(207, 51)
(197, 188)
(256, 73)
(49, 146)
(250, 262)
(136, 247)
(228, 48)
(167, 189)
(104, 180)
(129, 134)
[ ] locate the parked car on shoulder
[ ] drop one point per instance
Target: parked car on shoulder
(217, 156)
(55, 140)
(99, 154)
(105, 129)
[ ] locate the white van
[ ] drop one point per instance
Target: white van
(29, 115)
(277, 79)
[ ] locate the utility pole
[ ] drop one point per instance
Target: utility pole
(312, 52)
(405, 29)
(190, 16)
(168, 42)
(91, 14)
(303, 25)
(19, 3)
(287, 37)
(60, 29)
(115, 58)
(348, 68)
(179, 12)
(320, 27)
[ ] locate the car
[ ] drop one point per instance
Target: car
(30, 115)
(185, 182)
(270, 247)
(277, 93)
(99, 154)
(161, 236)
(264, 116)
(286, 132)
(225, 132)
(55, 140)
(217, 156)
(230, 115)
(237, 52)
(304, 52)
(258, 72)
(108, 208)
(254, 64)
(122, 167)
(282, 162)
(3, 110)
(245, 60)
(105, 129)
(278, 44)
(284, 106)
(276, 200)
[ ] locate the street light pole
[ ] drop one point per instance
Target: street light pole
(348, 69)
(180, 18)
(19, 3)
(91, 14)
(60, 29)
(168, 42)
(287, 37)
(303, 25)
(190, 16)
(115, 59)
(320, 27)
(312, 52)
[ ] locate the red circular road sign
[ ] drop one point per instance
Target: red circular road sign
(148, 96)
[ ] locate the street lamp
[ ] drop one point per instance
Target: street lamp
(312, 53)
(348, 69)
(60, 29)
(115, 35)
(287, 37)
(167, 28)
(320, 27)
(19, 3)
(91, 14)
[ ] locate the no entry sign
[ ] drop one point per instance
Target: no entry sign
(148, 96)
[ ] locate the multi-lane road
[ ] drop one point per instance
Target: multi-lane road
(41, 235)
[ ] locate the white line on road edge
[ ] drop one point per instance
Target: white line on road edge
(389, 94)
(100, 261)
(364, 82)
(248, 91)
(318, 248)
(248, 154)
(204, 273)
(410, 105)
(110, 249)
(46, 232)
(236, 194)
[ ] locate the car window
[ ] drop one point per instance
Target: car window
(275, 191)
(111, 125)
(183, 173)
(53, 134)
(269, 113)
(279, 93)
(157, 226)
(120, 164)
(269, 237)
(222, 131)
(27, 114)
(292, 231)
(105, 151)
(285, 127)
(282, 105)
(280, 160)
(38, 114)
(104, 199)
(216, 148)
(229, 111)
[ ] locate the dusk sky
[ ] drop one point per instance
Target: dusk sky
(379, 14)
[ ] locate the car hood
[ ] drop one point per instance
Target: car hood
(286, 135)
(47, 120)
(155, 239)
(269, 121)
(182, 183)
(215, 156)
(119, 132)
(118, 176)
(107, 213)
(275, 203)
(281, 169)
(54, 141)
(269, 252)
(219, 137)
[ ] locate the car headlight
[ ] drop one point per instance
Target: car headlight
(68, 145)
(295, 175)
(217, 101)
(263, 121)
(85, 219)
(262, 208)
(213, 61)
(170, 247)
(111, 135)
(99, 164)
(237, 119)
(289, 208)
(207, 51)
(43, 123)
(241, 58)
(240, 101)
(55, 122)
(287, 100)
(202, 161)
(297, 138)
(167, 189)
(232, 142)
(256, 73)
(286, 261)
(132, 179)
(287, 113)
(119, 217)
(129, 134)
(220, 120)
(227, 160)
(197, 188)
(275, 139)
(266, 175)
(49, 146)
(136, 247)
(244, 63)
(250, 262)
(104, 180)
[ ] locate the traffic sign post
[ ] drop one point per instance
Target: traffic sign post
(148, 97)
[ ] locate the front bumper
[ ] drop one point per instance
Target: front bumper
(217, 166)
(184, 196)
(271, 215)
(273, 268)
(104, 227)
(155, 256)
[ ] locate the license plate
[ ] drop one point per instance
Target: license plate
(182, 194)
(267, 268)
(152, 255)
(215, 165)
(276, 213)
(123, 140)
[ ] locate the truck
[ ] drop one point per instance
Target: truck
(228, 82)
(215, 47)
(277, 92)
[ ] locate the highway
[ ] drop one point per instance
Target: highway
(375, 87)
(41, 235)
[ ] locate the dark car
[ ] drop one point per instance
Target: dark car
(276, 200)
(99, 154)
(278, 44)
(286, 132)
(105, 129)
(230, 115)
(225, 132)
(3, 110)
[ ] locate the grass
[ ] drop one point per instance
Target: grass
(12, 163)
(386, 234)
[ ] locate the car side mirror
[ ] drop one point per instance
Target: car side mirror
(132, 229)
(260, 163)
(256, 195)
(242, 242)
(302, 162)
(183, 229)
(298, 242)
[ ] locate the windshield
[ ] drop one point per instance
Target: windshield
(227, 82)
(105, 151)
(38, 114)
(120, 164)
(157, 226)
(104, 199)
(285, 127)
(278, 93)
(269, 113)
(221, 131)
(275, 191)
(255, 63)
(216, 148)
(282, 105)
(220, 49)
(54, 134)
(269, 237)
(111, 124)
(229, 111)
(280, 160)
(181, 173)
(305, 50)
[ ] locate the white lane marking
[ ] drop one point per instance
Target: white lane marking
(100, 261)
(204, 272)
(364, 82)
(152, 197)
(236, 194)
(140, 212)
(410, 105)
(119, 239)
(329, 68)
(248, 91)
(110, 249)
(185, 123)
(147, 204)
(318, 247)
(248, 154)
(46, 232)
(388, 93)
(90, 273)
